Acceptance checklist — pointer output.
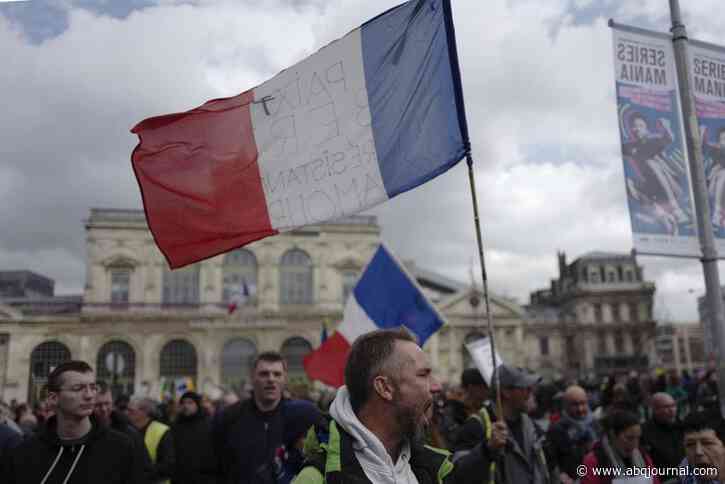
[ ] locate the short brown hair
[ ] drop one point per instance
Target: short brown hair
(370, 356)
(269, 357)
(55, 379)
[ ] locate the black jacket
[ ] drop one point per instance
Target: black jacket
(664, 443)
(245, 442)
(425, 462)
(9, 439)
(567, 446)
(195, 460)
(120, 423)
(103, 455)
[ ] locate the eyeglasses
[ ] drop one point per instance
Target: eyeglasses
(82, 387)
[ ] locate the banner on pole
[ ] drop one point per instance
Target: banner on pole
(656, 172)
(480, 351)
(707, 74)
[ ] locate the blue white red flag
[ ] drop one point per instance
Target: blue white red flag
(385, 297)
(239, 298)
(369, 116)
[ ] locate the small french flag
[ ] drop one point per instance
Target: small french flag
(385, 297)
(239, 298)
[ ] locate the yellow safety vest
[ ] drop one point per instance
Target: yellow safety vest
(485, 420)
(154, 434)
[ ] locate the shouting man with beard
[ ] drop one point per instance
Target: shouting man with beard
(379, 418)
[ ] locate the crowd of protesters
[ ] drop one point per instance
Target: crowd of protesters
(514, 429)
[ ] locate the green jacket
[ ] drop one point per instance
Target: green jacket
(335, 463)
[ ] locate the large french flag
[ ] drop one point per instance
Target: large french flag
(369, 116)
(386, 296)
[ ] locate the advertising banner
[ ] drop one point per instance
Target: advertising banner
(653, 150)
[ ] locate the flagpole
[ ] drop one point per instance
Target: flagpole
(713, 294)
(484, 279)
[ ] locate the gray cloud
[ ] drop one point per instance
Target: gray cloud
(539, 93)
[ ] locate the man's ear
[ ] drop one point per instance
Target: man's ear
(384, 388)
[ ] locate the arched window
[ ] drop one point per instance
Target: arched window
(237, 358)
(44, 358)
(178, 360)
(294, 351)
(240, 269)
(470, 338)
(116, 365)
(295, 278)
(181, 286)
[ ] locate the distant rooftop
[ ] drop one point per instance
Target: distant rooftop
(137, 216)
(597, 254)
(430, 278)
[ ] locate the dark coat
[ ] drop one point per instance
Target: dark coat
(567, 447)
(120, 423)
(426, 463)
(245, 442)
(103, 455)
(664, 443)
(9, 439)
(195, 459)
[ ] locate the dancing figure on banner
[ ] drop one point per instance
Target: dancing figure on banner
(715, 154)
(652, 180)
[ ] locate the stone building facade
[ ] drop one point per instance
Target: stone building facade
(143, 326)
(596, 318)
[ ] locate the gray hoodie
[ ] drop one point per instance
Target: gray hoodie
(369, 450)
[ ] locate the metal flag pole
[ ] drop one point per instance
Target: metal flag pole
(484, 279)
(713, 296)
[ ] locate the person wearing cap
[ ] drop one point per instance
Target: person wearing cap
(476, 418)
(191, 433)
(522, 460)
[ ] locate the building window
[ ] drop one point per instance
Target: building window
(544, 345)
(634, 312)
(237, 359)
(294, 351)
(585, 274)
(349, 279)
(628, 276)
(611, 277)
(597, 312)
(618, 342)
(620, 274)
(120, 282)
(697, 349)
(178, 361)
(636, 342)
(602, 274)
(601, 344)
(116, 365)
(240, 275)
(595, 277)
(181, 286)
(43, 359)
(295, 278)
(616, 313)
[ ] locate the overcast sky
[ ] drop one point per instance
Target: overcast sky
(539, 89)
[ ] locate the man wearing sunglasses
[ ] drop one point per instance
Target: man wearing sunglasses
(71, 447)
